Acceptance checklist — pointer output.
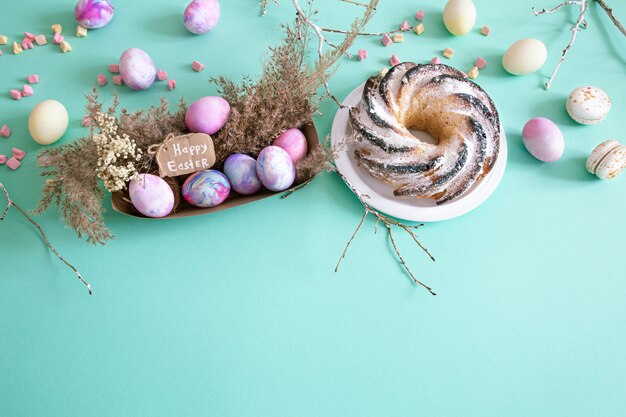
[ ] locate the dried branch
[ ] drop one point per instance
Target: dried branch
(580, 22)
(10, 203)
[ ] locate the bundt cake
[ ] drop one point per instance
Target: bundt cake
(437, 99)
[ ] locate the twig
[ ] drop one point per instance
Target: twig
(356, 3)
(264, 4)
(406, 267)
(343, 255)
(346, 32)
(612, 16)
(580, 22)
(10, 203)
(297, 187)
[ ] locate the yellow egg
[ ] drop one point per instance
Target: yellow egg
(525, 56)
(48, 122)
(459, 16)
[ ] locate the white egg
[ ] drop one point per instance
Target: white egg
(459, 16)
(525, 56)
(48, 122)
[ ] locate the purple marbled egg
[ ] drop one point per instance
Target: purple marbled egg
(294, 142)
(137, 69)
(94, 14)
(206, 188)
(241, 172)
(151, 195)
(275, 168)
(543, 139)
(207, 115)
(201, 16)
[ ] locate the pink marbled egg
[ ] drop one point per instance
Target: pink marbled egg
(151, 196)
(137, 69)
(207, 115)
(294, 142)
(275, 168)
(543, 139)
(201, 16)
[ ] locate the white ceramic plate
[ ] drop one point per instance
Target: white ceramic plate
(380, 195)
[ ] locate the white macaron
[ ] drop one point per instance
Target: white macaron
(588, 105)
(607, 160)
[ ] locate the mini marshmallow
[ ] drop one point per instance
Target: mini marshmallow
(56, 28)
(41, 40)
(3, 40)
(18, 154)
(448, 52)
(33, 79)
(13, 163)
(5, 131)
(102, 80)
(86, 122)
(117, 80)
(362, 54)
(66, 47)
(57, 39)
(473, 73)
(197, 66)
(419, 29)
(394, 60)
(480, 62)
(3, 159)
(161, 75)
(171, 84)
(435, 60)
(27, 44)
(17, 49)
(27, 90)
(419, 15)
(29, 35)
(485, 30)
(386, 40)
(405, 26)
(15, 94)
(114, 68)
(81, 31)
(398, 37)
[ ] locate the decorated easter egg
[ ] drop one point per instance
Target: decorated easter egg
(525, 56)
(241, 172)
(294, 142)
(206, 188)
(607, 160)
(588, 105)
(94, 14)
(207, 115)
(275, 168)
(543, 139)
(137, 69)
(201, 16)
(459, 16)
(48, 122)
(151, 195)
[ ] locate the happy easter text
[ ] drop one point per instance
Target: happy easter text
(192, 163)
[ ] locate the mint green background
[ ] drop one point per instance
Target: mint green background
(240, 313)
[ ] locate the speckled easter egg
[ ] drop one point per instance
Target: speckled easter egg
(459, 16)
(206, 188)
(137, 69)
(588, 105)
(543, 139)
(207, 115)
(241, 172)
(94, 14)
(275, 168)
(294, 142)
(525, 56)
(201, 16)
(151, 195)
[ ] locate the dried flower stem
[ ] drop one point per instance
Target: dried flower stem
(10, 203)
(345, 32)
(388, 222)
(580, 21)
(355, 3)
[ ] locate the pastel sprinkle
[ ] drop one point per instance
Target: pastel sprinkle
(29, 35)
(15, 94)
(57, 39)
(419, 15)
(197, 66)
(18, 154)
(27, 90)
(405, 26)
(480, 63)
(3, 40)
(17, 49)
(102, 80)
(448, 52)
(485, 30)
(394, 60)
(386, 40)
(56, 28)
(13, 163)
(66, 47)
(41, 40)
(33, 79)
(362, 54)
(81, 31)
(27, 44)
(435, 60)
(171, 84)
(398, 37)
(419, 29)
(5, 131)
(161, 75)
(117, 80)
(3, 159)
(473, 73)
(114, 68)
